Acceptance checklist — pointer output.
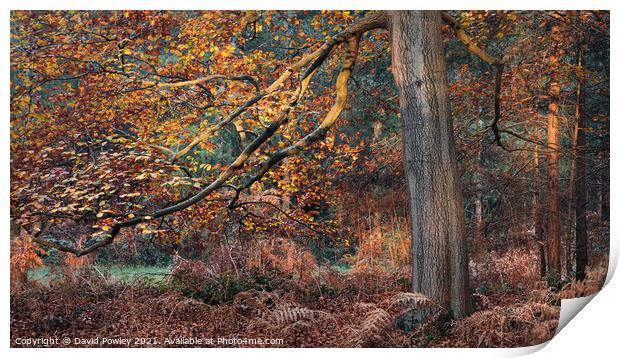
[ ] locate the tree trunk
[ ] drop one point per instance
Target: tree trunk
(479, 239)
(554, 253)
(581, 188)
(571, 190)
(538, 222)
(479, 223)
(440, 263)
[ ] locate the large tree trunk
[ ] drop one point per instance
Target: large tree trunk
(554, 253)
(581, 188)
(440, 264)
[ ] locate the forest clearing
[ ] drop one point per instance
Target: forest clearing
(306, 178)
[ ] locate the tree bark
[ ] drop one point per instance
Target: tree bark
(440, 263)
(570, 219)
(581, 188)
(479, 239)
(554, 253)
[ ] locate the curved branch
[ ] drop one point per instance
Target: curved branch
(314, 60)
(484, 56)
(208, 79)
(108, 239)
(321, 130)
(193, 199)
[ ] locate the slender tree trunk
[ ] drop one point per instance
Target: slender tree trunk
(571, 190)
(554, 210)
(479, 239)
(537, 213)
(440, 264)
(479, 229)
(581, 188)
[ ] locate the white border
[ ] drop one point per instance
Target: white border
(592, 332)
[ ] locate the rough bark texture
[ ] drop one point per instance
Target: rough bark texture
(440, 264)
(581, 188)
(554, 253)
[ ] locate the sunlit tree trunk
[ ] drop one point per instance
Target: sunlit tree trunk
(554, 254)
(440, 264)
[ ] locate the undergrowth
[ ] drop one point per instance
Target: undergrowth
(339, 310)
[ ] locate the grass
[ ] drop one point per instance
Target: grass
(124, 274)
(341, 267)
(127, 274)
(42, 274)
(130, 273)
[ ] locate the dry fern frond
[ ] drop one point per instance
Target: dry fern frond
(509, 326)
(579, 289)
(413, 310)
(407, 300)
(543, 311)
(287, 315)
(544, 296)
(296, 328)
(374, 324)
(365, 306)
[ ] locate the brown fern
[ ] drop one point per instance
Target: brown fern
(375, 323)
(288, 315)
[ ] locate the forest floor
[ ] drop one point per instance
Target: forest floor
(150, 307)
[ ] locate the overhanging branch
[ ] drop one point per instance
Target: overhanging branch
(491, 60)
(313, 61)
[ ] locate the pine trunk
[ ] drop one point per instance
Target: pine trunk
(581, 188)
(554, 254)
